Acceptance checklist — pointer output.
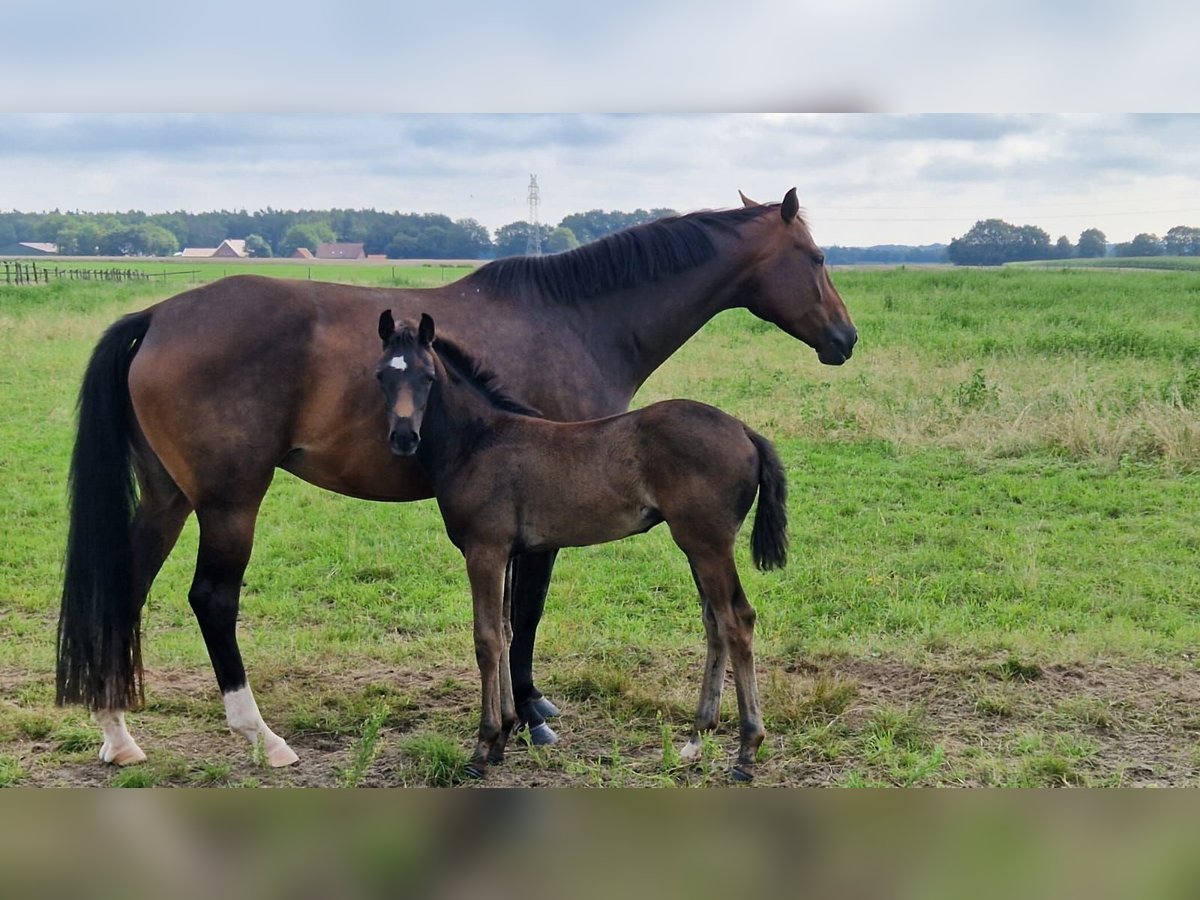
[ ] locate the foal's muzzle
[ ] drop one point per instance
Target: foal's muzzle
(404, 441)
(837, 344)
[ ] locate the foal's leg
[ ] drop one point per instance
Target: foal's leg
(226, 536)
(708, 710)
(508, 708)
(530, 583)
(161, 512)
(734, 616)
(486, 571)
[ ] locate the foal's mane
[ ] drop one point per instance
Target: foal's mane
(483, 380)
(621, 260)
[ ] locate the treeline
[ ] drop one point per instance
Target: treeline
(272, 232)
(893, 254)
(993, 242)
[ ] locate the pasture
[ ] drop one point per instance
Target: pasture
(994, 579)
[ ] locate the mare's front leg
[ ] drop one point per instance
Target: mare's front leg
(486, 572)
(530, 581)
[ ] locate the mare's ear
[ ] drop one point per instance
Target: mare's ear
(746, 201)
(791, 206)
(425, 330)
(387, 326)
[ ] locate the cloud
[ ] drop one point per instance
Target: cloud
(864, 178)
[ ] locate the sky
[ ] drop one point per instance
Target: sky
(863, 178)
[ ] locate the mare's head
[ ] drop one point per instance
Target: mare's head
(789, 286)
(406, 373)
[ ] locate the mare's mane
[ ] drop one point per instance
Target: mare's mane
(618, 261)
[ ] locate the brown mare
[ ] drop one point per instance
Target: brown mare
(509, 483)
(202, 396)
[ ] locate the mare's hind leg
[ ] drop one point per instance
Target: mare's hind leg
(226, 536)
(162, 510)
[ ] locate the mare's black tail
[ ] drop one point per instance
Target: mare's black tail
(99, 644)
(769, 539)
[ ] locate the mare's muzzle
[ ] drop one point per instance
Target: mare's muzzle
(837, 344)
(403, 440)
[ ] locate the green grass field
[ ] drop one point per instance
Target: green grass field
(995, 514)
(1175, 263)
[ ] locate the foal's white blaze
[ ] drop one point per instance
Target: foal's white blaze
(241, 712)
(119, 746)
(399, 362)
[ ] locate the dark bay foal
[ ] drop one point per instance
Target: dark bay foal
(508, 482)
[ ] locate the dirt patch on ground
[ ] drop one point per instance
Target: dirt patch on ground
(837, 720)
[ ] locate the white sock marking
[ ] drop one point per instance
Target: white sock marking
(241, 712)
(119, 746)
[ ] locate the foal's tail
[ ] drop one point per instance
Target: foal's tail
(99, 645)
(769, 539)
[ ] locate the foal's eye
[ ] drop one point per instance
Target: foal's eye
(378, 376)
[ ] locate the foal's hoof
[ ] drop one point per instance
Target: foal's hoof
(542, 735)
(475, 771)
(741, 775)
(545, 708)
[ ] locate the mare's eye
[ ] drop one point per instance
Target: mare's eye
(819, 259)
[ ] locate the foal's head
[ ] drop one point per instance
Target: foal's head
(406, 373)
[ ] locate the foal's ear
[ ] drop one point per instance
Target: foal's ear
(791, 206)
(387, 326)
(746, 201)
(425, 330)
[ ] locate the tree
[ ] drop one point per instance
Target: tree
(560, 239)
(1142, 245)
(1182, 241)
(309, 234)
(476, 242)
(256, 245)
(80, 237)
(1032, 243)
(138, 240)
(1062, 248)
(512, 239)
(1092, 244)
(988, 243)
(596, 223)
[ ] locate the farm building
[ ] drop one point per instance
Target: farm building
(341, 251)
(302, 253)
(28, 248)
(229, 249)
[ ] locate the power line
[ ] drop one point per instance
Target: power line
(967, 215)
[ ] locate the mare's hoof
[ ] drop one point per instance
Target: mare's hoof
(542, 735)
(128, 754)
(545, 708)
(280, 756)
(741, 775)
(475, 771)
